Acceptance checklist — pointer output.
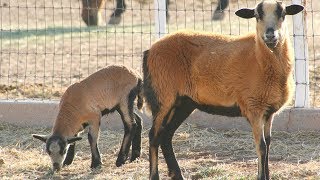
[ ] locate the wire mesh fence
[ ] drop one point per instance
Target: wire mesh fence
(46, 45)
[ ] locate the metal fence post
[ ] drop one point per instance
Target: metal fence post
(160, 17)
(301, 57)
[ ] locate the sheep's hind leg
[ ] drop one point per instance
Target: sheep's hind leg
(180, 113)
(136, 141)
(155, 134)
(130, 127)
(93, 136)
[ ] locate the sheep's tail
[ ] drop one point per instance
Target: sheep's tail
(139, 94)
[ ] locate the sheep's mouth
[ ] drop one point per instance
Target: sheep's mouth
(56, 167)
(271, 43)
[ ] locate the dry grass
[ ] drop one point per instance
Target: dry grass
(201, 153)
(44, 50)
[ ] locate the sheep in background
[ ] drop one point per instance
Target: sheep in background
(248, 75)
(113, 88)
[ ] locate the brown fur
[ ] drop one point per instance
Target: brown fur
(253, 72)
(83, 102)
(221, 70)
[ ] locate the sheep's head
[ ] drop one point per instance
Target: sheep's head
(270, 16)
(57, 147)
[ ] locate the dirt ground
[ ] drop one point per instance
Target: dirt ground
(201, 153)
(45, 46)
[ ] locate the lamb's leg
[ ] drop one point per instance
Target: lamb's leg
(93, 137)
(260, 142)
(267, 135)
(179, 115)
(70, 154)
(136, 141)
(115, 17)
(130, 127)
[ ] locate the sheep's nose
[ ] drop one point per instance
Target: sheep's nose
(56, 167)
(270, 34)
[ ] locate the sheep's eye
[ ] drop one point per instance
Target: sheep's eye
(257, 16)
(283, 15)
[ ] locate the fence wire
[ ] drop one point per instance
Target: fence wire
(46, 45)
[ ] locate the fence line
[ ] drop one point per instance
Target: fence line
(301, 57)
(45, 45)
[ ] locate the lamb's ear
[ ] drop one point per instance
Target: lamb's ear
(245, 13)
(73, 139)
(293, 9)
(42, 138)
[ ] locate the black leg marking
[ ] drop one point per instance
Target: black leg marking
(218, 14)
(154, 142)
(70, 154)
(182, 111)
(95, 154)
(121, 7)
(129, 131)
(222, 5)
(268, 141)
(136, 141)
(115, 17)
(263, 154)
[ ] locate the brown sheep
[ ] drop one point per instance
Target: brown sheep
(248, 76)
(83, 104)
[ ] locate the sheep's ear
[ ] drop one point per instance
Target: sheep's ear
(293, 9)
(42, 138)
(73, 139)
(245, 13)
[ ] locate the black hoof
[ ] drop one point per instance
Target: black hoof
(114, 20)
(135, 155)
(120, 161)
(96, 165)
(176, 175)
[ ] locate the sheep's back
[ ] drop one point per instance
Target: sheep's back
(110, 86)
(196, 65)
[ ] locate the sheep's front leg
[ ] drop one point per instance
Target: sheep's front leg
(267, 135)
(70, 154)
(93, 136)
(261, 146)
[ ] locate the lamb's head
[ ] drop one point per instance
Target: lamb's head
(270, 16)
(57, 147)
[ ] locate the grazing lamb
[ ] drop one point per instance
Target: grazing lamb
(83, 104)
(248, 76)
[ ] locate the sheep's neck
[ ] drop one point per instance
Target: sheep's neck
(279, 57)
(67, 122)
